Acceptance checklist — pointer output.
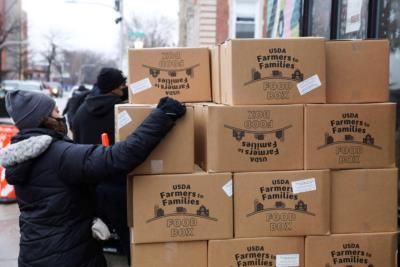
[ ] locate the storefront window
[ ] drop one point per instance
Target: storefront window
(352, 19)
(389, 27)
(245, 27)
(283, 18)
(320, 23)
(246, 19)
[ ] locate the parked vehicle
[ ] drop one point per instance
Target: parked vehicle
(36, 86)
(3, 111)
(55, 89)
(10, 84)
(6, 86)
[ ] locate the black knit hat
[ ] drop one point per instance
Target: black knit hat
(109, 79)
(28, 109)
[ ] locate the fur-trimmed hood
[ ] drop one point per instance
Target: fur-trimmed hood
(25, 147)
(17, 158)
(24, 150)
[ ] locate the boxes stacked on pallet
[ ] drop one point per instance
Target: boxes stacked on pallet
(297, 152)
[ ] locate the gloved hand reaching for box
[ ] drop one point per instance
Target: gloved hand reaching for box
(172, 108)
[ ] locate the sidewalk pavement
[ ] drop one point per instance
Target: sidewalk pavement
(9, 239)
(9, 235)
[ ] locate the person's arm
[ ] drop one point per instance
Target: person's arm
(99, 162)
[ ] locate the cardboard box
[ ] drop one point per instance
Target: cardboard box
(269, 251)
(174, 154)
(364, 201)
(182, 207)
(271, 71)
(130, 204)
(352, 250)
(215, 74)
(294, 203)
(349, 136)
(181, 73)
(129, 201)
(249, 138)
(172, 254)
(357, 71)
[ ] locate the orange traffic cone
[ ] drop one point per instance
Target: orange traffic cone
(105, 141)
(7, 193)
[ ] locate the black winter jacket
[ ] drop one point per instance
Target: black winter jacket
(94, 117)
(52, 176)
(73, 104)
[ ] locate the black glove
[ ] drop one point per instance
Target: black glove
(171, 107)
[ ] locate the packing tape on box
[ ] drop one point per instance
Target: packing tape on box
(140, 86)
(356, 46)
(171, 251)
(363, 184)
(228, 188)
(288, 260)
(309, 84)
(305, 185)
(157, 166)
(365, 227)
(123, 119)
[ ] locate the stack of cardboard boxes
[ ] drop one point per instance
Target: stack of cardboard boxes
(168, 199)
(296, 151)
(353, 135)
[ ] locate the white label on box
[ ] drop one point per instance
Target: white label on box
(288, 260)
(156, 166)
(308, 85)
(123, 119)
(228, 188)
(303, 186)
(140, 86)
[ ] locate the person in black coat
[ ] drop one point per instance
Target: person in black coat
(94, 117)
(73, 104)
(52, 177)
(96, 114)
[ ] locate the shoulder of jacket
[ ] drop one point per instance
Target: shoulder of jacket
(24, 150)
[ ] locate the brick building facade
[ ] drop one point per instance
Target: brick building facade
(208, 22)
(13, 35)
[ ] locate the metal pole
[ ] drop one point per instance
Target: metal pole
(123, 48)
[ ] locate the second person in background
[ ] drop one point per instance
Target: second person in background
(94, 117)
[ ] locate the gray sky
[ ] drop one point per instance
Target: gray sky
(88, 24)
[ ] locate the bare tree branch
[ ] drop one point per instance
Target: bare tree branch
(6, 29)
(157, 30)
(9, 26)
(52, 53)
(84, 66)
